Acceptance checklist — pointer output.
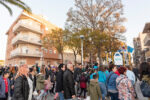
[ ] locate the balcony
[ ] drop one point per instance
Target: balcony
(27, 25)
(26, 39)
(147, 40)
(19, 52)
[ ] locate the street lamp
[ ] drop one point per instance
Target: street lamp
(82, 37)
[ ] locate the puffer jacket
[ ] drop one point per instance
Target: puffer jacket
(147, 79)
(94, 90)
(2, 87)
(68, 84)
(40, 81)
(21, 88)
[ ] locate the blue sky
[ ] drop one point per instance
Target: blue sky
(136, 12)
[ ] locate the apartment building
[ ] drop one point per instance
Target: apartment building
(24, 43)
(137, 50)
(146, 42)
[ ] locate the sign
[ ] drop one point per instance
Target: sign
(118, 60)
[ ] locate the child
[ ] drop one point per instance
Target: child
(94, 89)
(83, 86)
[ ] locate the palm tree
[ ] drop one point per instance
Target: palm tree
(17, 3)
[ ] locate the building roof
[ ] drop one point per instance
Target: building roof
(37, 18)
(147, 28)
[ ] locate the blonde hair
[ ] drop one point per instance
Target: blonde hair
(22, 70)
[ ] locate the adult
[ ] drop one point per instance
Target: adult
(21, 85)
(68, 83)
(124, 86)
(32, 76)
(111, 83)
(130, 74)
(145, 73)
(59, 81)
(40, 80)
(4, 86)
(77, 74)
(102, 81)
(95, 66)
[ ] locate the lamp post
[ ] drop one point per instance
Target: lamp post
(82, 37)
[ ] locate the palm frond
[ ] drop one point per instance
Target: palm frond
(8, 8)
(19, 4)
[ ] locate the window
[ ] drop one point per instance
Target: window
(45, 50)
(54, 51)
(50, 51)
(22, 62)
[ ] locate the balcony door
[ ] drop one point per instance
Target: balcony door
(25, 50)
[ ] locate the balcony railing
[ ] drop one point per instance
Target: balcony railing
(147, 40)
(27, 25)
(26, 53)
(26, 39)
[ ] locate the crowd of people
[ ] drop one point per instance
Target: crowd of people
(67, 82)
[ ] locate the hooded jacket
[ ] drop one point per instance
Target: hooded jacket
(94, 90)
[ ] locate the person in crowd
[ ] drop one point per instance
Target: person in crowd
(77, 74)
(95, 66)
(130, 74)
(111, 83)
(136, 72)
(32, 76)
(102, 82)
(145, 73)
(40, 80)
(4, 86)
(95, 71)
(68, 83)
(124, 86)
(83, 82)
(37, 68)
(12, 76)
(94, 89)
(53, 79)
(59, 81)
(21, 85)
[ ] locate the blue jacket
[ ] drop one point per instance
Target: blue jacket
(91, 76)
(102, 76)
(2, 87)
(111, 82)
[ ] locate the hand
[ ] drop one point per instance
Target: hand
(62, 91)
(12, 87)
(73, 97)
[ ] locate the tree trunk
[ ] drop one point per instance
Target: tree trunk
(75, 56)
(99, 55)
(62, 57)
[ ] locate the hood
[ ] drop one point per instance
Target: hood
(146, 78)
(93, 82)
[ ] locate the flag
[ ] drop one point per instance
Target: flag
(130, 49)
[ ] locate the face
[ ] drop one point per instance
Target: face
(80, 66)
(63, 68)
(71, 68)
(6, 75)
(125, 73)
(114, 69)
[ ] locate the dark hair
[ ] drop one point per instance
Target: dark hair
(121, 70)
(30, 70)
(96, 64)
(95, 76)
(101, 68)
(129, 68)
(5, 72)
(144, 69)
(111, 67)
(60, 66)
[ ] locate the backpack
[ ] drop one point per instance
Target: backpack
(83, 78)
(145, 89)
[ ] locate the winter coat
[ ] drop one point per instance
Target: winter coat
(94, 90)
(2, 87)
(21, 88)
(147, 79)
(59, 81)
(125, 88)
(83, 81)
(111, 81)
(68, 84)
(40, 81)
(33, 80)
(77, 72)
